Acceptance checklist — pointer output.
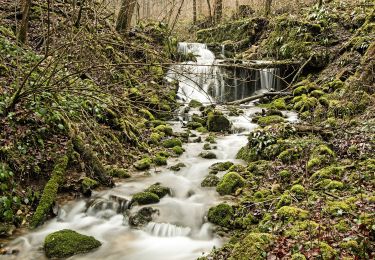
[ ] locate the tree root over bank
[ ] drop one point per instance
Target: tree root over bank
(252, 98)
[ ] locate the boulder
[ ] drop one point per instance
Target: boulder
(217, 122)
(142, 216)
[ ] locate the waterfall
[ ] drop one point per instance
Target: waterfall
(166, 230)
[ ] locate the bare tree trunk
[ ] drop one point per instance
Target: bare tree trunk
(268, 7)
(320, 3)
(125, 15)
(194, 11)
(22, 33)
(209, 10)
(218, 10)
(178, 15)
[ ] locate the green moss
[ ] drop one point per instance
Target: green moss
(269, 120)
(298, 189)
(195, 104)
(221, 215)
(211, 139)
(66, 243)
(328, 184)
(49, 193)
(328, 172)
(285, 175)
(155, 138)
(262, 194)
(88, 184)
(300, 90)
(247, 154)
(159, 190)
(300, 228)
(278, 104)
(221, 166)
(194, 125)
(166, 129)
(143, 164)
(317, 93)
(177, 167)
(170, 143)
(304, 103)
(350, 245)
(208, 155)
(337, 208)
(289, 155)
(178, 150)
(230, 183)
(159, 160)
(202, 130)
(285, 200)
(207, 147)
(292, 213)
(144, 198)
(298, 256)
(253, 246)
(342, 226)
(118, 172)
(327, 252)
(147, 114)
(211, 180)
(217, 122)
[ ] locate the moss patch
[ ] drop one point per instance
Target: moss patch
(221, 215)
(230, 183)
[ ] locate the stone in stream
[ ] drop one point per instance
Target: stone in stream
(208, 155)
(144, 198)
(177, 167)
(143, 164)
(210, 181)
(217, 122)
(142, 216)
(159, 190)
(230, 183)
(66, 243)
(6, 230)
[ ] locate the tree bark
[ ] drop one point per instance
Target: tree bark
(218, 13)
(125, 15)
(22, 33)
(194, 11)
(268, 7)
(320, 3)
(209, 10)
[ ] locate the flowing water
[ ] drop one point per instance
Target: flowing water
(180, 231)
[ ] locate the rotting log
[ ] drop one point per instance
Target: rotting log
(252, 98)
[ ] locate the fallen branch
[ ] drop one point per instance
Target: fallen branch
(248, 99)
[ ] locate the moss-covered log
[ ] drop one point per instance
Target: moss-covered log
(49, 193)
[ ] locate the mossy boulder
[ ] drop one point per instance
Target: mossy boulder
(253, 246)
(178, 150)
(155, 138)
(143, 164)
(166, 129)
(170, 143)
(230, 183)
(279, 104)
(144, 198)
(195, 104)
(142, 217)
(217, 122)
(193, 125)
(269, 120)
(159, 160)
(289, 155)
(202, 130)
(118, 172)
(66, 243)
(221, 166)
(208, 155)
(289, 213)
(211, 180)
(298, 256)
(298, 189)
(159, 190)
(221, 215)
(177, 167)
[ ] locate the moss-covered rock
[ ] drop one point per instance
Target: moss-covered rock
(118, 172)
(143, 164)
(217, 122)
(66, 243)
(166, 129)
(193, 125)
(195, 104)
(142, 217)
(289, 155)
(221, 215)
(230, 183)
(178, 150)
(170, 143)
(253, 246)
(144, 198)
(337, 208)
(159, 190)
(202, 130)
(159, 160)
(210, 181)
(289, 213)
(221, 166)
(88, 184)
(298, 256)
(298, 189)
(155, 138)
(208, 155)
(177, 167)
(269, 120)
(327, 252)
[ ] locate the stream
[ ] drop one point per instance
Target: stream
(180, 231)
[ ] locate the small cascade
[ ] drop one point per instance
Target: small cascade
(106, 208)
(166, 230)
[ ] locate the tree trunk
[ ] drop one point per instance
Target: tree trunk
(218, 10)
(125, 15)
(209, 10)
(194, 11)
(320, 3)
(22, 33)
(268, 7)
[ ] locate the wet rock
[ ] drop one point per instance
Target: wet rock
(178, 150)
(197, 140)
(208, 155)
(195, 104)
(159, 190)
(177, 167)
(210, 181)
(159, 160)
(87, 185)
(66, 243)
(170, 143)
(207, 147)
(142, 217)
(118, 172)
(217, 122)
(6, 230)
(221, 166)
(194, 125)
